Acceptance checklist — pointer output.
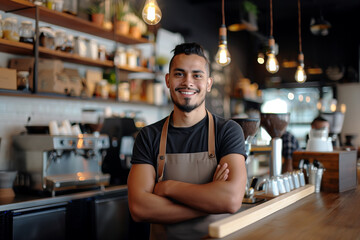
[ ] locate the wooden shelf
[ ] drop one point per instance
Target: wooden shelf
(15, 93)
(74, 58)
(16, 47)
(27, 9)
(135, 69)
(27, 49)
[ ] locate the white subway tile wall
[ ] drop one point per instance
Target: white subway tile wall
(16, 112)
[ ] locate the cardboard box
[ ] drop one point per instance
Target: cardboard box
(24, 64)
(93, 77)
(8, 78)
(74, 84)
(50, 77)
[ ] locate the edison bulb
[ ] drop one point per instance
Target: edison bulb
(151, 13)
(260, 58)
(272, 65)
(223, 56)
(300, 75)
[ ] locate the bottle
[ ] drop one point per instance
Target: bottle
(102, 52)
(26, 32)
(23, 80)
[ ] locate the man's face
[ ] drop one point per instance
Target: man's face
(188, 81)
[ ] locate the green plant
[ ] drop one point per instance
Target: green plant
(250, 7)
(161, 60)
(120, 9)
(97, 7)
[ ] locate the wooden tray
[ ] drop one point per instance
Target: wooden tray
(242, 219)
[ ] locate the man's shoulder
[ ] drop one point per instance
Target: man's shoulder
(154, 127)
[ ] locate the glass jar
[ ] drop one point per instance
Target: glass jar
(80, 47)
(71, 6)
(93, 51)
(58, 5)
(120, 57)
(60, 38)
(69, 44)
(11, 30)
(26, 32)
(102, 52)
(1, 27)
(23, 80)
(47, 37)
(131, 58)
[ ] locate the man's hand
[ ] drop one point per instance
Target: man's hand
(221, 172)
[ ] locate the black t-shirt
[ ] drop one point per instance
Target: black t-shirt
(229, 138)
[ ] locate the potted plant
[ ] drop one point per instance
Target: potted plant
(137, 25)
(97, 11)
(121, 25)
(252, 11)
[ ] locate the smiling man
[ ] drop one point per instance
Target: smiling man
(188, 169)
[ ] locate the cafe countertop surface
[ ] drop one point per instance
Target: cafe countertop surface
(22, 200)
(321, 215)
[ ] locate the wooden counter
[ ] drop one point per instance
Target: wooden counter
(324, 215)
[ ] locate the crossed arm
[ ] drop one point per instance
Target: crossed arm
(172, 201)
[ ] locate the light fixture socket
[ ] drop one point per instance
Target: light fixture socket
(222, 35)
(301, 59)
(272, 45)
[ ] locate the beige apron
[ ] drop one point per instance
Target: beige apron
(196, 168)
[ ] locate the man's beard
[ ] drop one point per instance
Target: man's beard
(187, 107)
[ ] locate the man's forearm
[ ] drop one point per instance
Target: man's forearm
(158, 209)
(214, 197)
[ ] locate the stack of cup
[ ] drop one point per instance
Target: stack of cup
(64, 129)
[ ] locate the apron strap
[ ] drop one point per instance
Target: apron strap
(211, 136)
(162, 149)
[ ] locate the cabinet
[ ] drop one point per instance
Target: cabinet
(39, 13)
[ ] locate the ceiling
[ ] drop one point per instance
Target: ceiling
(286, 9)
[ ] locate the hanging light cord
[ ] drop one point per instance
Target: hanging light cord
(299, 18)
(223, 12)
(271, 19)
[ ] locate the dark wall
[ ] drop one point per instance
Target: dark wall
(199, 21)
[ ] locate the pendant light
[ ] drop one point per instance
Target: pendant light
(151, 12)
(300, 75)
(223, 56)
(272, 65)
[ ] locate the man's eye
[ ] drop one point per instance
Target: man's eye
(178, 74)
(198, 76)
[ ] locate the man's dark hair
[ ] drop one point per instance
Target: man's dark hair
(188, 49)
(319, 119)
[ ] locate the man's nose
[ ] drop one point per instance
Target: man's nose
(188, 80)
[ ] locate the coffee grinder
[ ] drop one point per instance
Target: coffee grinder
(250, 127)
(275, 124)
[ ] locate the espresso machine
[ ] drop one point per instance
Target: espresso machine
(56, 163)
(275, 124)
(121, 132)
(336, 120)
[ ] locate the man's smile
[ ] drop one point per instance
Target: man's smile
(187, 91)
